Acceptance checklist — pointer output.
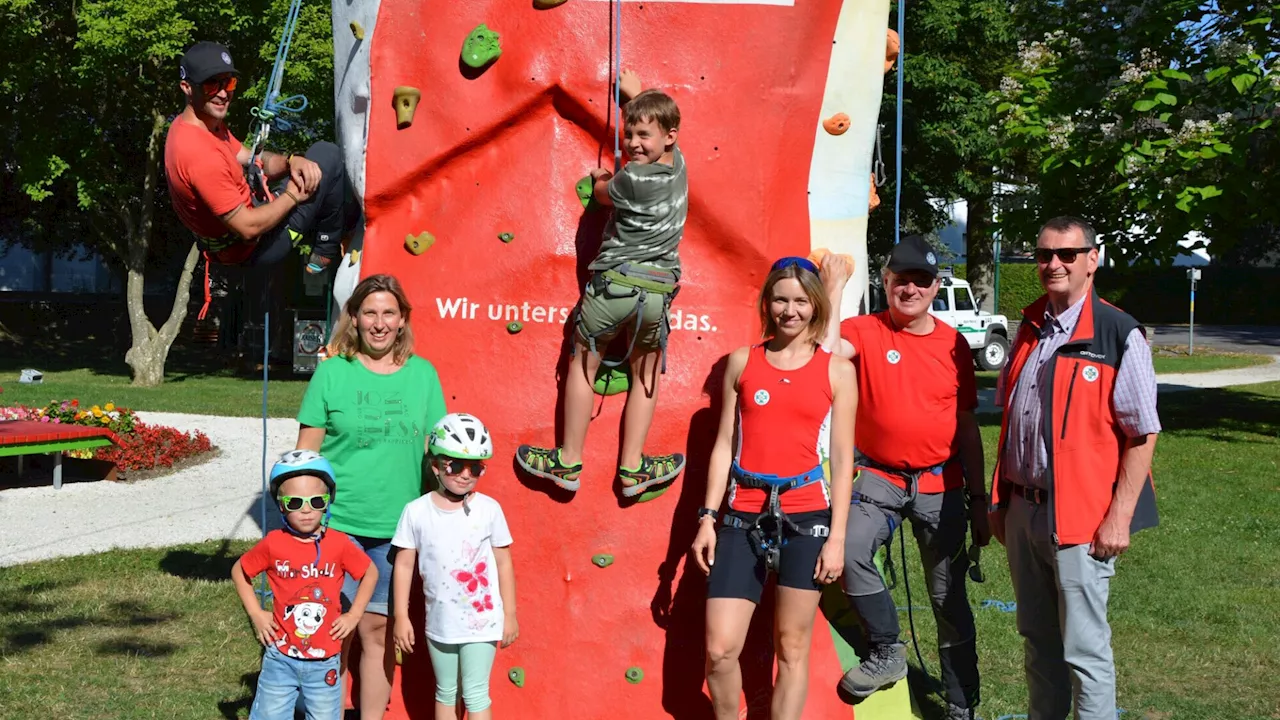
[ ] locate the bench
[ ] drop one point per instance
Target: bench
(27, 437)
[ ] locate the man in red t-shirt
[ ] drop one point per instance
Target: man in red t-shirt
(919, 457)
(206, 165)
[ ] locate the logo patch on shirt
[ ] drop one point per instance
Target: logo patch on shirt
(893, 356)
(762, 397)
(1090, 373)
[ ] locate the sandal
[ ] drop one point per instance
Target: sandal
(653, 470)
(544, 463)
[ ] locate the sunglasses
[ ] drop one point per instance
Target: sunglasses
(802, 263)
(1067, 255)
(294, 503)
(215, 86)
(454, 466)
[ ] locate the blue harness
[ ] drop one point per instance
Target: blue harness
(768, 531)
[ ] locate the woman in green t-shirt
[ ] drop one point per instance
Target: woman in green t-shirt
(368, 411)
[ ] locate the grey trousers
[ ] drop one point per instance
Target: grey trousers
(1062, 616)
(940, 523)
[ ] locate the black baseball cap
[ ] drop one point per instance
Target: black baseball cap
(205, 60)
(913, 253)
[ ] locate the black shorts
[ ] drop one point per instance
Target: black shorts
(739, 570)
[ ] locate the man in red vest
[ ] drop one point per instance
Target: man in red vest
(205, 166)
(1073, 473)
(919, 459)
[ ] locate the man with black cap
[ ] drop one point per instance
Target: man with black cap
(919, 457)
(206, 167)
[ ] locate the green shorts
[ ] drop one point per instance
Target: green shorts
(611, 306)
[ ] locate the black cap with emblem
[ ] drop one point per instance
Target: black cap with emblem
(205, 60)
(913, 252)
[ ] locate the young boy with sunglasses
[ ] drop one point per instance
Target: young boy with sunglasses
(462, 547)
(634, 278)
(306, 564)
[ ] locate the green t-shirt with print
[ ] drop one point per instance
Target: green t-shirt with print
(376, 429)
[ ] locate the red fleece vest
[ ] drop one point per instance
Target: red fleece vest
(1080, 432)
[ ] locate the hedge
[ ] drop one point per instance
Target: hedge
(1224, 296)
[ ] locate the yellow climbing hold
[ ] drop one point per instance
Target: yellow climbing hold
(405, 101)
(418, 244)
(357, 30)
(548, 4)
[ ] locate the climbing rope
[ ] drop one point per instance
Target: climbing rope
(268, 114)
(897, 167)
(616, 31)
(264, 590)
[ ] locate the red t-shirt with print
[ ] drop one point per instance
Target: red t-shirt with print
(306, 596)
(910, 388)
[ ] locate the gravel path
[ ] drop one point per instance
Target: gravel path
(220, 498)
(214, 500)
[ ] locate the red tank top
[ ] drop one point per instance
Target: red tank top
(783, 419)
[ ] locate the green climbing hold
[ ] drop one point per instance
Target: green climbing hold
(653, 494)
(611, 381)
(603, 560)
(506, 237)
(357, 30)
(634, 675)
(481, 47)
(516, 676)
(514, 327)
(585, 189)
(418, 244)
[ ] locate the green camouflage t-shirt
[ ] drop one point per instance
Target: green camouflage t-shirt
(650, 204)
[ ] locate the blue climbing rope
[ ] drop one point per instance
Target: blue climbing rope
(897, 167)
(268, 114)
(616, 22)
(264, 591)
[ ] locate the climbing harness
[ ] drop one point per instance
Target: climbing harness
(768, 531)
(640, 280)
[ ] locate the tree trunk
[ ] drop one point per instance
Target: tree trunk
(150, 348)
(979, 246)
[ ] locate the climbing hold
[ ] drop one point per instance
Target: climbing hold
(634, 675)
(585, 188)
(819, 255)
(611, 381)
(405, 102)
(516, 676)
(837, 124)
(891, 46)
(514, 327)
(603, 560)
(548, 4)
(357, 30)
(506, 237)
(418, 244)
(873, 201)
(481, 47)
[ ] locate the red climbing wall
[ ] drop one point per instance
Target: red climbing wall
(500, 151)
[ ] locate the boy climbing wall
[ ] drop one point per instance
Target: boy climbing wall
(634, 278)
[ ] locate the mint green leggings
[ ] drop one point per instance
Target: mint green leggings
(475, 660)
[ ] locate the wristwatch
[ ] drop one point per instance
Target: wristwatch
(705, 511)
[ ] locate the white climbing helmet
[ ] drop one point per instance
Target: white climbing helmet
(463, 436)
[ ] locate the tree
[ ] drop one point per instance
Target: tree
(956, 53)
(89, 90)
(1149, 117)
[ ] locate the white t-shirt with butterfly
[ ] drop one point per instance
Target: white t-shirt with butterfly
(455, 559)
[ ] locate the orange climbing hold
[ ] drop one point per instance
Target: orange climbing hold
(837, 124)
(875, 197)
(818, 255)
(891, 46)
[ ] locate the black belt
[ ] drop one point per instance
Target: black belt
(1035, 496)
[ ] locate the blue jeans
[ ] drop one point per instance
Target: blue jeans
(283, 679)
(378, 550)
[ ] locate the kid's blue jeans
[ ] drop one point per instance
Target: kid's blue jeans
(283, 679)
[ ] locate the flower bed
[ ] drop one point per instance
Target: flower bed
(142, 446)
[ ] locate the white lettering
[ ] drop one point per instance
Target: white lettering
(449, 308)
(530, 311)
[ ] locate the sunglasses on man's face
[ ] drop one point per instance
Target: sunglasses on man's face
(454, 466)
(802, 263)
(217, 85)
(1067, 255)
(294, 503)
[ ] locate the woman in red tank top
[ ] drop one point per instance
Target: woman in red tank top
(779, 397)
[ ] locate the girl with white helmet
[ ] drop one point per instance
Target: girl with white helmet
(459, 539)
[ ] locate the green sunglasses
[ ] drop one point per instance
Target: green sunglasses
(294, 503)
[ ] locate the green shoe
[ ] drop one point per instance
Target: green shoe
(653, 470)
(544, 463)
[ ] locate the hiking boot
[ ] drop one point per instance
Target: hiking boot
(653, 470)
(885, 665)
(546, 464)
(959, 712)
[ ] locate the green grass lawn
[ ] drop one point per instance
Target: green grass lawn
(1176, 360)
(1195, 604)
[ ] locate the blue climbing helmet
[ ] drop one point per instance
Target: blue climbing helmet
(302, 462)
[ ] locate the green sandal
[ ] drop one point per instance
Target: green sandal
(545, 463)
(653, 470)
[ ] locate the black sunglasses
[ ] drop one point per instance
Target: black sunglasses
(1067, 255)
(454, 466)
